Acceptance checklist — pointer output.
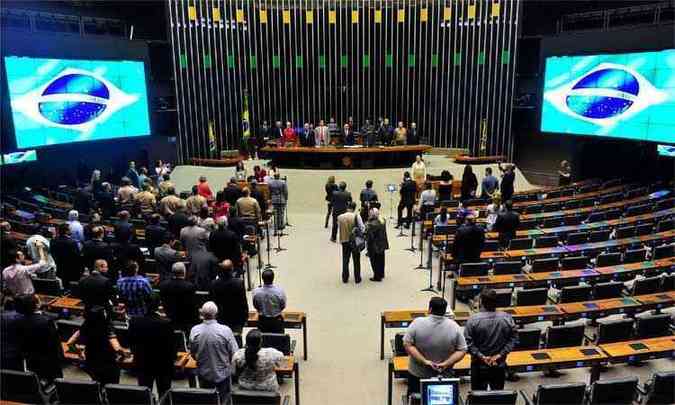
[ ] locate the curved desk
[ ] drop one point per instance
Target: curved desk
(344, 157)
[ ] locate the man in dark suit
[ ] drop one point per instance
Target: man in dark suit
(178, 299)
(178, 221)
(229, 295)
(408, 192)
(259, 197)
(97, 248)
(232, 192)
(97, 289)
(469, 241)
(66, 254)
(506, 224)
(153, 344)
(154, 233)
(341, 199)
(124, 230)
(225, 243)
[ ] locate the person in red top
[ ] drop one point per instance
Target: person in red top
(221, 208)
(204, 190)
(289, 135)
(259, 174)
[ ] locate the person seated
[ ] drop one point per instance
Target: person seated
(255, 365)
(442, 219)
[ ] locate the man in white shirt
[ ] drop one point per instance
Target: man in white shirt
(17, 277)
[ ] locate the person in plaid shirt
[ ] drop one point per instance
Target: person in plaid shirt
(133, 290)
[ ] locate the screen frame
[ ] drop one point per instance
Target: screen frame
(544, 59)
(425, 383)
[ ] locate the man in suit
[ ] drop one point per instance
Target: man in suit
(340, 201)
(408, 192)
(277, 131)
(259, 197)
(194, 237)
(229, 295)
(166, 256)
(153, 344)
(413, 136)
(506, 224)
(124, 231)
(376, 237)
(469, 241)
(66, 254)
(97, 248)
(203, 269)
(386, 132)
(97, 288)
(347, 222)
(154, 233)
(179, 220)
(225, 244)
(232, 192)
(369, 134)
(178, 299)
(132, 174)
(279, 196)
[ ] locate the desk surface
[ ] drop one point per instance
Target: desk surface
(498, 279)
(532, 310)
(289, 316)
(634, 347)
(599, 305)
(585, 210)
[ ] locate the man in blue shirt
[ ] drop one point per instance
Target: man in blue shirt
(134, 290)
(489, 184)
(76, 228)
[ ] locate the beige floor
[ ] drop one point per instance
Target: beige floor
(343, 319)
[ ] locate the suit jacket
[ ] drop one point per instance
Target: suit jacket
(340, 201)
(413, 137)
(41, 346)
(96, 289)
(178, 221)
(232, 193)
(203, 269)
(153, 343)
(194, 238)
(124, 232)
(376, 236)
(507, 224)
(94, 250)
(278, 191)
(468, 245)
(255, 193)
(229, 295)
(408, 192)
(67, 257)
(154, 236)
(166, 256)
(179, 301)
(225, 244)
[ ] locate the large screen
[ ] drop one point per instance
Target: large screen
(629, 95)
(56, 101)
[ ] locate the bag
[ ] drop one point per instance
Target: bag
(356, 239)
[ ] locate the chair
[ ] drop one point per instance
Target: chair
(279, 341)
(78, 391)
(545, 265)
(122, 394)
(610, 198)
(491, 246)
(24, 387)
(576, 238)
(649, 285)
(573, 220)
(586, 202)
(122, 333)
(596, 217)
(552, 222)
(47, 286)
(608, 259)
(532, 296)
(521, 243)
(643, 229)
(664, 204)
(504, 397)
(554, 394)
(660, 389)
(246, 397)
(574, 263)
(507, 267)
(571, 205)
(528, 339)
(625, 232)
(619, 391)
(474, 269)
(201, 297)
(599, 236)
(668, 283)
(613, 214)
(527, 224)
(610, 331)
(664, 251)
(649, 326)
(635, 255)
(397, 345)
(67, 327)
(193, 396)
(637, 210)
(181, 342)
(534, 209)
(504, 297)
(576, 293)
(546, 242)
(552, 207)
(564, 336)
(610, 289)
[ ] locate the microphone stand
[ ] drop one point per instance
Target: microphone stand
(421, 249)
(279, 233)
(412, 248)
(269, 264)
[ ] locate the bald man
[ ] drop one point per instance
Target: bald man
(229, 293)
(97, 288)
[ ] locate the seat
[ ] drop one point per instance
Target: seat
(575, 293)
(67, 327)
(649, 285)
(625, 232)
(534, 209)
(610, 331)
(576, 238)
(24, 387)
(246, 397)
(527, 224)
(546, 242)
(664, 204)
(586, 202)
(279, 341)
(552, 207)
(643, 229)
(181, 342)
(610, 198)
(193, 396)
(564, 336)
(637, 210)
(78, 391)
(596, 217)
(532, 296)
(122, 394)
(649, 326)
(668, 283)
(528, 339)
(504, 397)
(613, 214)
(46, 286)
(599, 236)
(513, 267)
(504, 297)
(397, 345)
(521, 243)
(571, 205)
(201, 297)
(552, 222)
(664, 251)
(445, 230)
(619, 391)
(554, 394)
(660, 389)
(573, 220)
(491, 246)
(635, 255)
(545, 265)
(610, 289)
(474, 269)
(574, 263)
(122, 333)
(608, 259)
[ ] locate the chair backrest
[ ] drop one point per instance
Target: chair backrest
(201, 297)
(575, 293)
(576, 238)
(521, 243)
(649, 285)
(554, 394)
(122, 333)
(246, 397)
(662, 388)
(637, 210)
(586, 202)
(608, 259)
(504, 397)
(625, 232)
(553, 222)
(474, 269)
(47, 286)
(545, 265)
(193, 396)
(610, 331)
(573, 220)
(399, 348)
(445, 229)
(634, 255)
(574, 263)
(546, 241)
(507, 267)
(610, 289)
(668, 283)
(644, 229)
(528, 224)
(78, 391)
(504, 297)
(122, 394)
(552, 207)
(279, 341)
(532, 296)
(571, 204)
(649, 326)
(66, 328)
(491, 246)
(20, 386)
(534, 209)
(564, 336)
(599, 236)
(619, 391)
(181, 341)
(528, 339)
(596, 217)
(664, 251)
(613, 214)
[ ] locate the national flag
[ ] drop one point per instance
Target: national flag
(309, 16)
(424, 14)
(263, 16)
(378, 16)
(212, 138)
(216, 14)
(496, 8)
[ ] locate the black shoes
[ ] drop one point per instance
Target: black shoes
(375, 279)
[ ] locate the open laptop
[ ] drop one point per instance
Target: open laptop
(440, 391)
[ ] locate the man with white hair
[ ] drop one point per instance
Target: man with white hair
(376, 239)
(178, 299)
(194, 237)
(212, 345)
(76, 228)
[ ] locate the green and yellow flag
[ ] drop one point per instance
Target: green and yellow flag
(212, 138)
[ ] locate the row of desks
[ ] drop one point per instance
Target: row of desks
(560, 358)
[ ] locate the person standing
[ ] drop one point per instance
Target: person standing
(489, 185)
(204, 189)
(490, 336)
(565, 174)
(508, 178)
(434, 343)
(340, 199)
(346, 223)
(445, 186)
(97, 288)
(506, 224)
(427, 200)
(376, 238)
(178, 299)
(330, 188)
(165, 256)
(413, 136)
(270, 301)
(248, 208)
(67, 256)
(133, 290)
(289, 138)
(212, 345)
(229, 294)
(76, 228)
(419, 171)
(400, 134)
(279, 196)
(321, 134)
(493, 210)
(347, 135)
(194, 237)
(469, 184)
(408, 191)
(368, 134)
(469, 241)
(17, 277)
(368, 199)
(132, 174)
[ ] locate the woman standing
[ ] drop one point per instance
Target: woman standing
(445, 186)
(565, 174)
(419, 171)
(240, 171)
(376, 240)
(330, 188)
(469, 183)
(255, 365)
(493, 210)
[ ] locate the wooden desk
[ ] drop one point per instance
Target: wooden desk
(665, 236)
(642, 349)
(534, 313)
(498, 281)
(292, 320)
(398, 368)
(552, 277)
(585, 210)
(71, 304)
(656, 301)
(611, 223)
(599, 308)
(620, 271)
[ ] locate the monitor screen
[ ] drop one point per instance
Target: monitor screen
(19, 157)
(666, 150)
(57, 101)
(630, 95)
(440, 391)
